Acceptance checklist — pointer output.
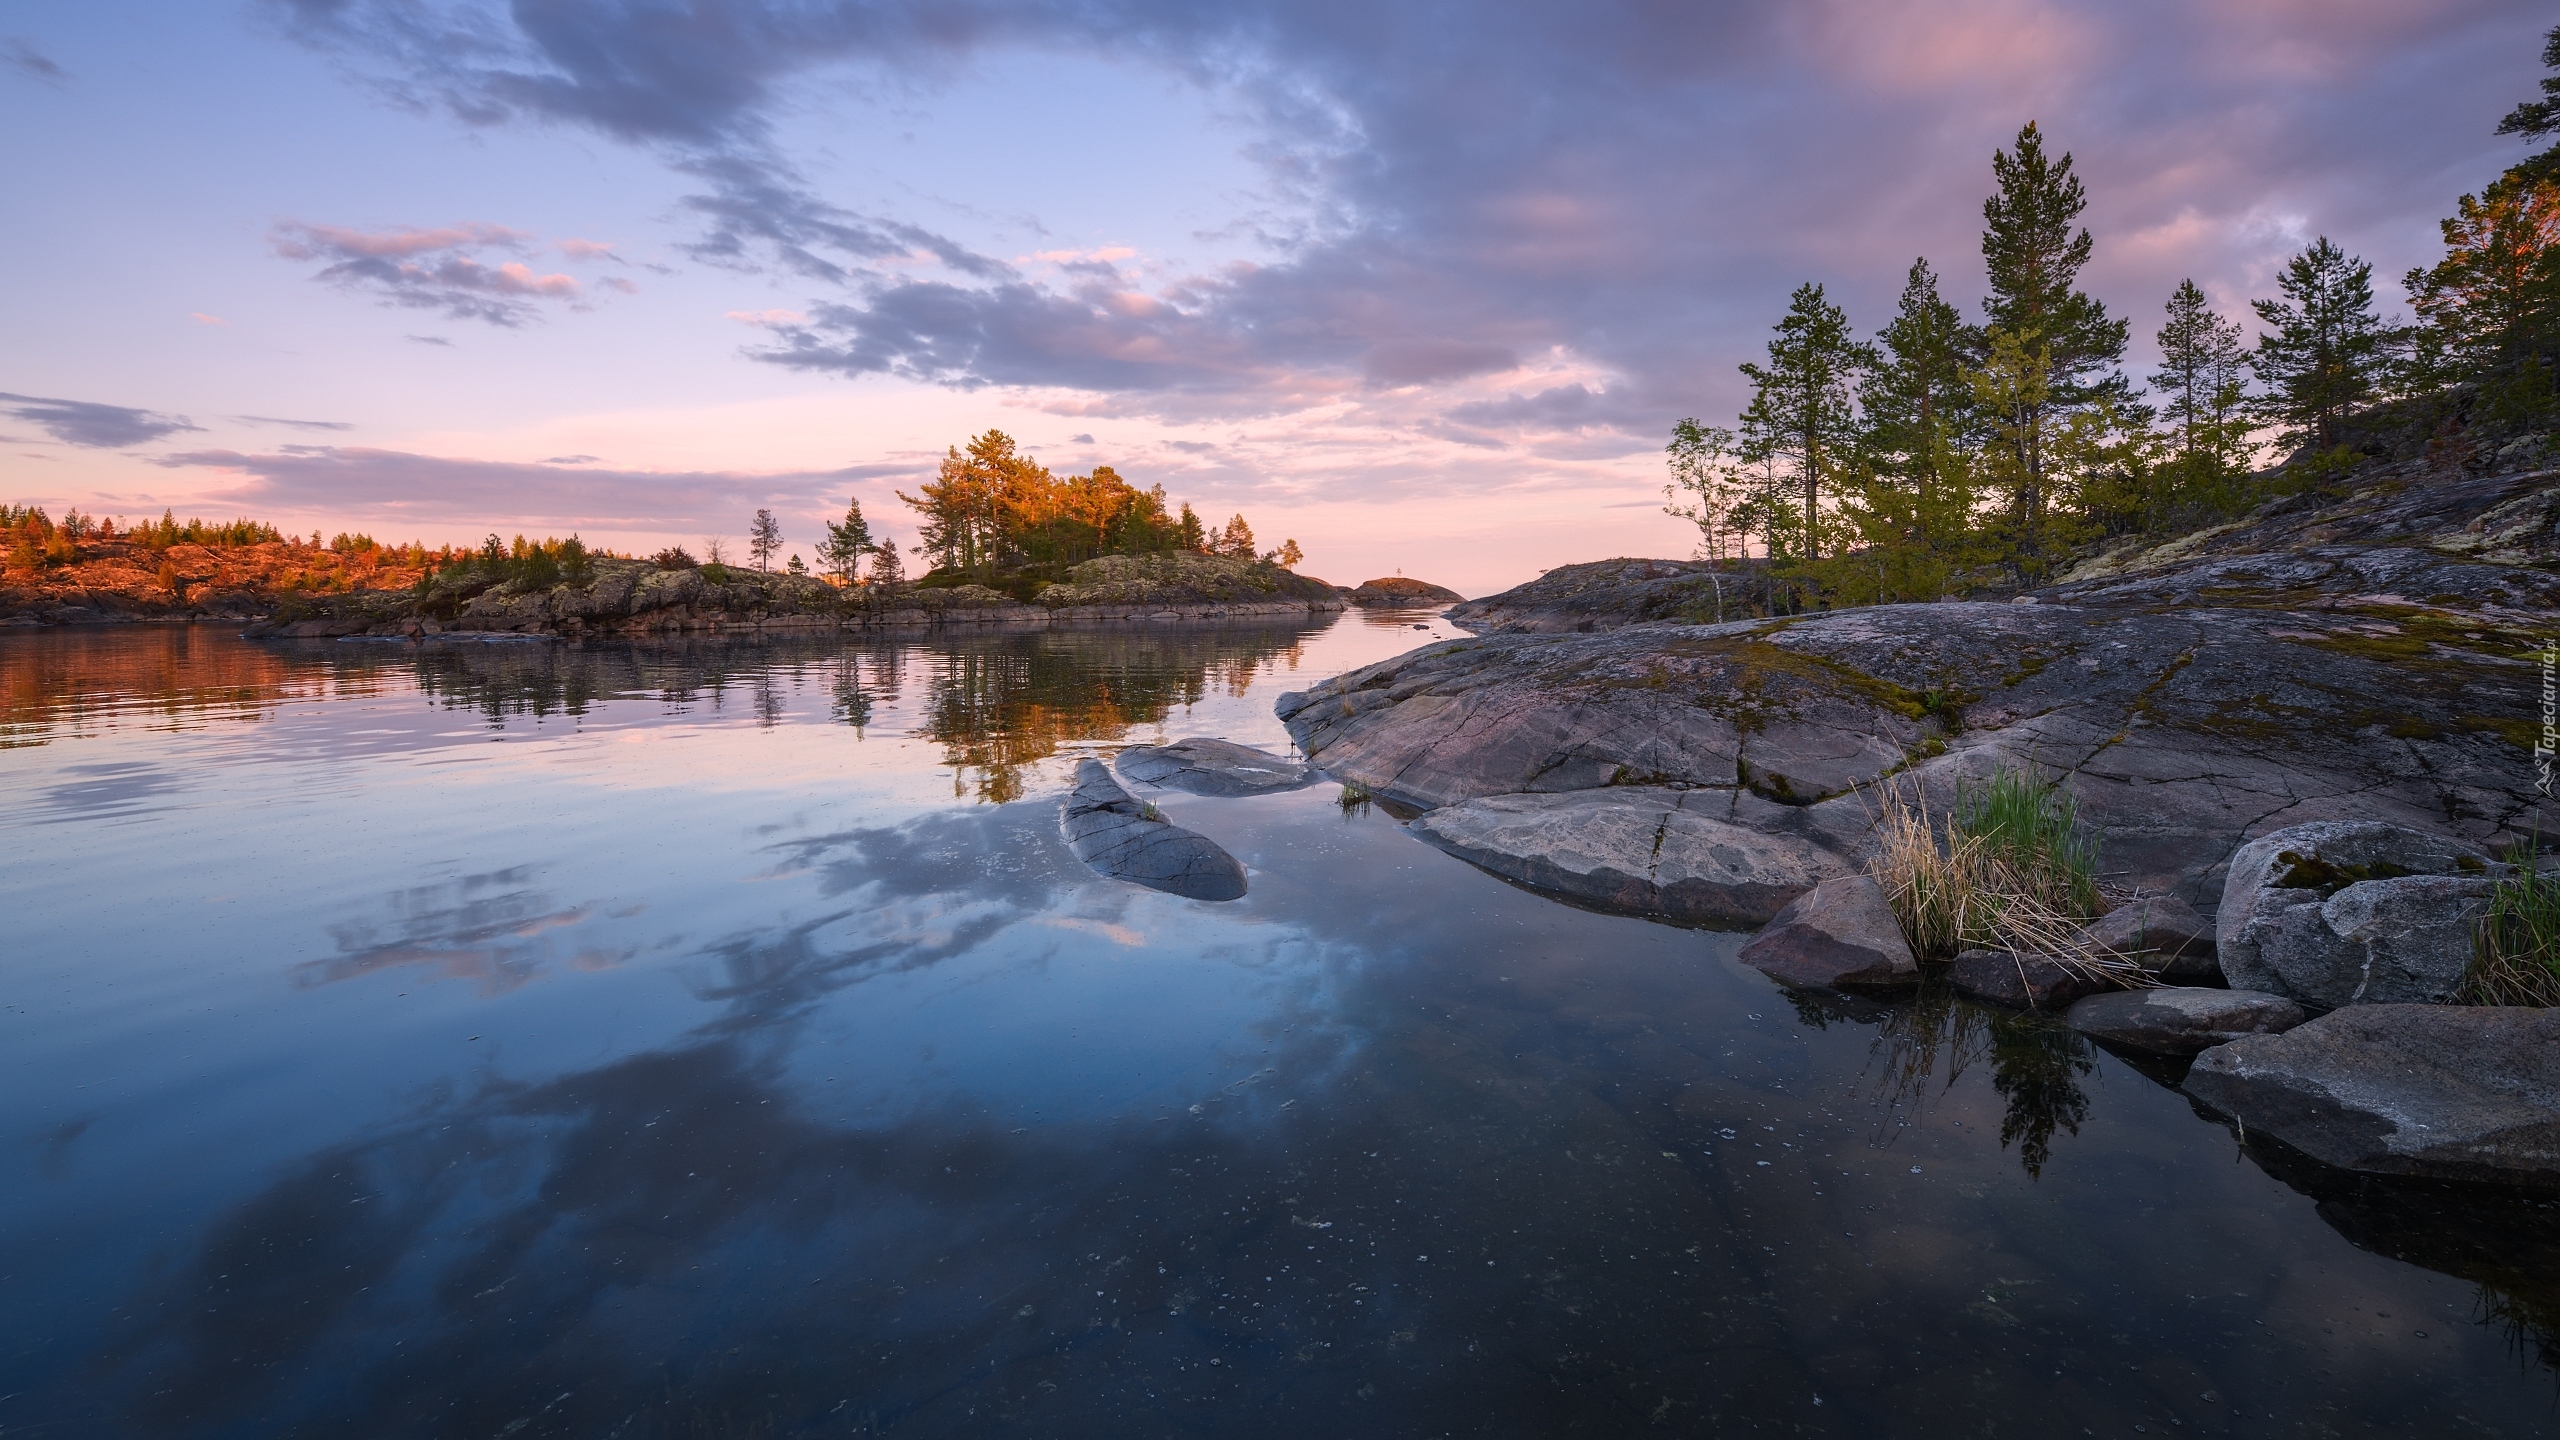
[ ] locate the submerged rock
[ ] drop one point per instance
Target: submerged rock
(1841, 933)
(2181, 1020)
(1119, 838)
(2352, 912)
(2449, 1092)
(1635, 848)
(2164, 934)
(1212, 767)
(2028, 982)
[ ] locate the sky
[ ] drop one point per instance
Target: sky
(1421, 286)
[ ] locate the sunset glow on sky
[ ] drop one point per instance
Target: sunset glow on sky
(1424, 288)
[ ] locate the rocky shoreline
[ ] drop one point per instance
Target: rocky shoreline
(637, 599)
(2345, 686)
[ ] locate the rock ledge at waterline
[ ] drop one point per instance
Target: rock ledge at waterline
(2197, 696)
(1125, 840)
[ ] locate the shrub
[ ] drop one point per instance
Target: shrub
(2517, 960)
(674, 557)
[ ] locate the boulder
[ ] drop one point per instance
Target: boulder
(1840, 933)
(1122, 839)
(1212, 767)
(2352, 912)
(1638, 849)
(2162, 932)
(2447, 1092)
(2181, 1020)
(2028, 982)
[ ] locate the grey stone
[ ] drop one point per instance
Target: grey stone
(1205, 766)
(2451, 1092)
(1841, 933)
(2164, 933)
(1117, 837)
(2347, 913)
(2181, 1020)
(1638, 849)
(2027, 982)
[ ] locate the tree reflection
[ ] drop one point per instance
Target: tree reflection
(1000, 705)
(1924, 1046)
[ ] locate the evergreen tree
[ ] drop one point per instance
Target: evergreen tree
(1189, 534)
(885, 570)
(2039, 454)
(1919, 419)
(1288, 556)
(764, 539)
(1235, 540)
(1803, 415)
(2202, 385)
(846, 543)
(2494, 299)
(2325, 351)
(2034, 256)
(2540, 119)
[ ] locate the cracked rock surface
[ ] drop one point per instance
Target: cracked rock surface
(1641, 849)
(1117, 837)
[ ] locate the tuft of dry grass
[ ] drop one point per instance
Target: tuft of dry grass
(1956, 887)
(2517, 960)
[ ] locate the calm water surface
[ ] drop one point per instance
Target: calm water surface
(527, 1041)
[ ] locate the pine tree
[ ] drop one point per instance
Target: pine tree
(2494, 298)
(1288, 556)
(2325, 351)
(764, 539)
(1189, 534)
(1919, 423)
(2038, 453)
(846, 543)
(2201, 382)
(1235, 540)
(885, 570)
(2034, 257)
(2540, 119)
(1803, 415)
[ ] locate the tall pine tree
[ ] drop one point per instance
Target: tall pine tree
(2034, 252)
(1803, 414)
(2325, 351)
(1918, 411)
(2202, 387)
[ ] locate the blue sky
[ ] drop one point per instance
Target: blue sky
(1423, 286)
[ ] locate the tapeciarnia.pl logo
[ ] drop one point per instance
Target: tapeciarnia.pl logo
(2544, 748)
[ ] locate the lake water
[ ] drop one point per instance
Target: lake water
(718, 1040)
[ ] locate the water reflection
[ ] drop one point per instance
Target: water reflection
(1000, 705)
(493, 930)
(58, 684)
(1925, 1044)
(2504, 1241)
(886, 1114)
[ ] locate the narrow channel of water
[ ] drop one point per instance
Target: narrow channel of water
(718, 1039)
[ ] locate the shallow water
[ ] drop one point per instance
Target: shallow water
(719, 1040)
